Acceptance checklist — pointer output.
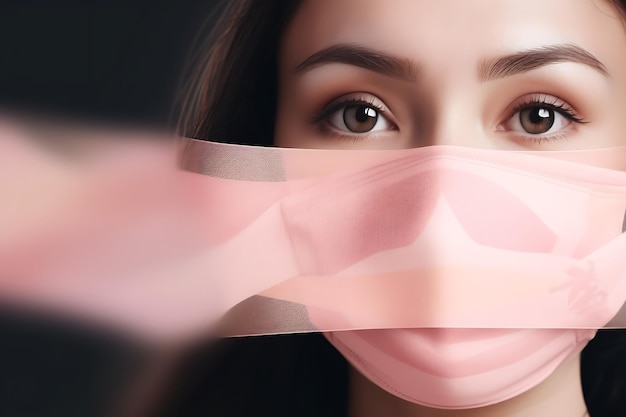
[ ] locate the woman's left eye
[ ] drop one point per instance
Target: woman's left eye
(541, 118)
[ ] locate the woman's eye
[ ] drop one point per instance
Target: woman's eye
(543, 117)
(359, 118)
(539, 120)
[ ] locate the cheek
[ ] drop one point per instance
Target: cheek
(288, 133)
(290, 130)
(608, 129)
(621, 128)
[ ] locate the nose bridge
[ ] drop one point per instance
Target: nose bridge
(456, 120)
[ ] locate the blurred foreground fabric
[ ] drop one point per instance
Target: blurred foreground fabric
(96, 227)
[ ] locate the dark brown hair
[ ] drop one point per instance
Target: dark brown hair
(232, 86)
(231, 96)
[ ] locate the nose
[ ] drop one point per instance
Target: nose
(455, 121)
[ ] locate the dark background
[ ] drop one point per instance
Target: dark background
(104, 62)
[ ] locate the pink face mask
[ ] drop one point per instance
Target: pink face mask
(487, 269)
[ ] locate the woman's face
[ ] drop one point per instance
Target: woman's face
(537, 74)
(506, 74)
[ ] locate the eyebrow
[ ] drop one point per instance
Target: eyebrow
(531, 59)
(491, 69)
(364, 57)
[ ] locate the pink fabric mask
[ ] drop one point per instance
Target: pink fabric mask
(486, 269)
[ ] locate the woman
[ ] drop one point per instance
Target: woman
(367, 75)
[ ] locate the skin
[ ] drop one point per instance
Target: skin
(447, 103)
(445, 98)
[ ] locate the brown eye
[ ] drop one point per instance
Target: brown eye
(542, 116)
(536, 120)
(360, 118)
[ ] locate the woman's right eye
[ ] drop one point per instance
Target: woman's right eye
(359, 118)
(355, 117)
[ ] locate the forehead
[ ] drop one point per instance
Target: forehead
(447, 34)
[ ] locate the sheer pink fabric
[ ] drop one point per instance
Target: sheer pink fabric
(430, 237)
(288, 240)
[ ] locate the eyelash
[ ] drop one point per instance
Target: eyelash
(553, 103)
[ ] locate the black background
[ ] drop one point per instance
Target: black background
(103, 60)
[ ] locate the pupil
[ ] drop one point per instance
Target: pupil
(537, 120)
(543, 113)
(360, 119)
(363, 114)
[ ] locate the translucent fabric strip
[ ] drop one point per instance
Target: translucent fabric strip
(440, 236)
